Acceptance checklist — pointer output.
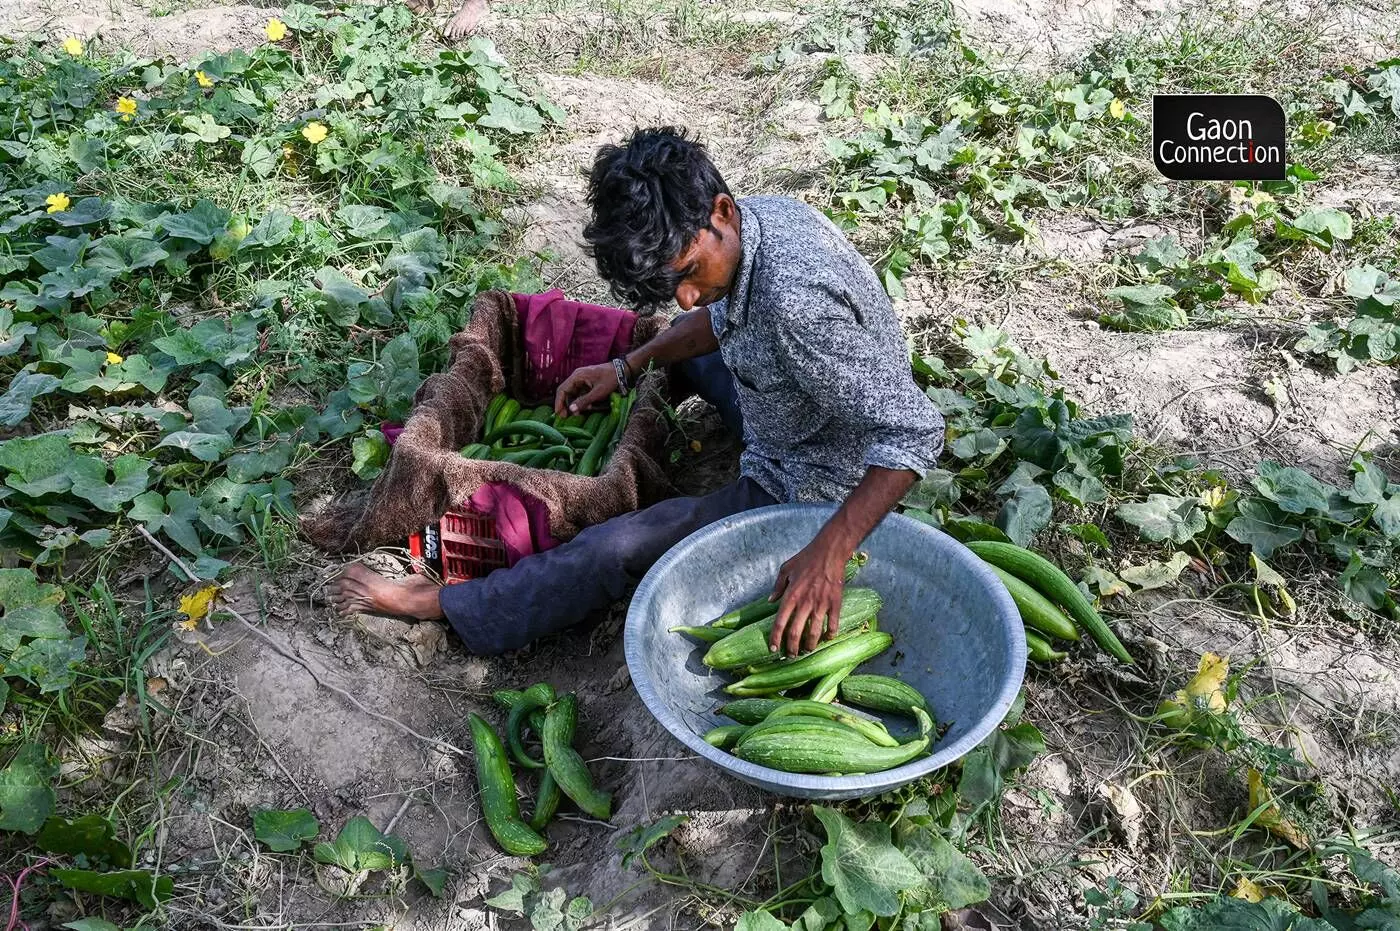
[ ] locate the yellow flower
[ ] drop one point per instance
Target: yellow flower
(57, 202)
(203, 79)
(113, 359)
(73, 46)
(314, 132)
(276, 30)
(196, 605)
(1117, 109)
(126, 107)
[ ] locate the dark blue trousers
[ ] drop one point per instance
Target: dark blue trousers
(549, 591)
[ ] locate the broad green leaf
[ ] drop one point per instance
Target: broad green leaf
(864, 869)
(436, 880)
(360, 846)
(93, 836)
(1090, 534)
(227, 342)
(1145, 295)
(39, 622)
(641, 839)
(125, 253)
(759, 921)
(283, 831)
(131, 475)
(62, 252)
(505, 114)
(174, 515)
(1230, 914)
(1260, 525)
(203, 128)
(87, 211)
(951, 880)
(1161, 253)
(200, 224)
(522, 887)
(1323, 226)
(48, 664)
(12, 334)
(260, 158)
(1365, 585)
(1155, 574)
(141, 886)
(20, 589)
(1164, 518)
(91, 924)
(1025, 514)
(273, 229)
(38, 465)
(251, 466)
(26, 792)
(937, 487)
(212, 416)
(817, 916)
(1292, 489)
(206, 447)
(18, 400)
(362, 221)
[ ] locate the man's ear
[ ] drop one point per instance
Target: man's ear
(724, 210)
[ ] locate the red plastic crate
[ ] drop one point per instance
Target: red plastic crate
(468, 546)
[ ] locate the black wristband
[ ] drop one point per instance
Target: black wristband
(620, 367)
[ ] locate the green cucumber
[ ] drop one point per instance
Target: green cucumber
(1051, 582)
(539, 695)
(872, 731)
(505, 415)
(825, 689)
(497, 788)
(750, 644)
(725, 736)
(1040, 650)
(817, 752)
(703, 634)
(588, 465)
(527, 428)
(883, 693)
(761, 607)
(857, 650)
(750, 710)
(1035, 609)
(564, 762)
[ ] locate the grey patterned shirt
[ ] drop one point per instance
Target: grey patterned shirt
(820, 362)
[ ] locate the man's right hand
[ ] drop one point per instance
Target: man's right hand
(585, 388)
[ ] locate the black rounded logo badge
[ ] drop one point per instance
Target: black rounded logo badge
(1218, 137)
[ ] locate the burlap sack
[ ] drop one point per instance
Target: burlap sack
(427, 475)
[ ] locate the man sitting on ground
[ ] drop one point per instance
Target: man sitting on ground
(794, 340)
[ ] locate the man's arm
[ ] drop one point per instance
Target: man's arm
(810, 582)
(691, 336)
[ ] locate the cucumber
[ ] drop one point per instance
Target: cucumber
(1040, 650)
(816, 752)
(856, 650)
(882, 693)
(566, 765)
(872, 731)
(750, 644)
(497, 787)
(1051, 582)
(825, 689)
(542, 431)
(505, 415)
(516, 456)
(801, 724)
(493, 410)
(539, 695)
(544, 457)
(1036, 610)
(588, 465)
(761, 607)
(575, 433)
(751, 710)
(593, 421)
(726, 735)
(548, 796)
(703, 634)
(541, 414)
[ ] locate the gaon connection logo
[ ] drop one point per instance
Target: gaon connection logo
(1218, 137)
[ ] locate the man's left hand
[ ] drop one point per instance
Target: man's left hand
(809, 585)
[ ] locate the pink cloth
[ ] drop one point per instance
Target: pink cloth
(560, 336)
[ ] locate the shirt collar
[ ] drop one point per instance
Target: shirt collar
(735, 306)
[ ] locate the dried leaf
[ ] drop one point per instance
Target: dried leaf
(196, 605)
(1271, 817)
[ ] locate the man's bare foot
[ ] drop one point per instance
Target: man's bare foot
(360, 589)
(467, 18)
(419, 6)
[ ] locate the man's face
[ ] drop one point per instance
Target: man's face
(709, 264)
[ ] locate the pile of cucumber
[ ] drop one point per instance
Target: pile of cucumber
(552, 719)
(805, 731)
(540, 439)
(1040, 589)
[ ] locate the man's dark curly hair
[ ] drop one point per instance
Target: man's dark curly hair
(650, 197)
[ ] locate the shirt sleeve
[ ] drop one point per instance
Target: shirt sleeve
(859, 380)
